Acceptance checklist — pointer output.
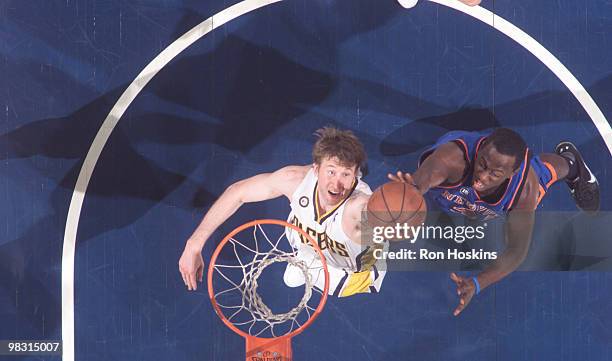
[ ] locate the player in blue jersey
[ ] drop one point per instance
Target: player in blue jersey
(491, 174)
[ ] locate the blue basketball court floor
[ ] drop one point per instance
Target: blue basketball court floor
(243, 94)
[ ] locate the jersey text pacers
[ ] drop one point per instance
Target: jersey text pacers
(322, 239)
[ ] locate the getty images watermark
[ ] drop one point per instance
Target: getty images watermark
(422, 232)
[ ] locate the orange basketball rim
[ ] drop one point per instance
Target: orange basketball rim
(275, 348)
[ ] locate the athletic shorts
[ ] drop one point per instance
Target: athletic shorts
(342, 283)
(546, 175)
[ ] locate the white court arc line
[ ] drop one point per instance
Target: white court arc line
(540, 52)
(224, 16)
(78, 195)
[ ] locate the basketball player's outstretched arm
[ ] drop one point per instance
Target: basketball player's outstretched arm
(351, 218)
(445, 165)
(517, 231)
(255, 189)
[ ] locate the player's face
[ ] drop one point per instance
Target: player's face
(491, 169)
(335, 181)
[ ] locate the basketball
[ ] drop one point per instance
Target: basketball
(396, 202)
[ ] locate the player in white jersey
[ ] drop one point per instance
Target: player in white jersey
(350, 263)
(327, 199)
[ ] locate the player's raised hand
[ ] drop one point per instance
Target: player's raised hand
(401, 177)
(191, 266)
(465, 291)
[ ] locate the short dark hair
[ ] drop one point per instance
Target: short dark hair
(342, 144)
(508, 142)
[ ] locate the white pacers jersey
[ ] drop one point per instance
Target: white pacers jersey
(325, 228)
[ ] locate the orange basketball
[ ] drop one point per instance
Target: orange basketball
(396, 202)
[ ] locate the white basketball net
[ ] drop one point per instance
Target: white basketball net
(251, 301)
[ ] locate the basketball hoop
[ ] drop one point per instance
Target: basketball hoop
(239, 305)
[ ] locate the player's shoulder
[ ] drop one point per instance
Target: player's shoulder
(451, 157)
(359, 198)
(293, 172)
(288, 178)
(450, 151)
(356, 203)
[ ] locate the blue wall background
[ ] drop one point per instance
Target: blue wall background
(246, 99)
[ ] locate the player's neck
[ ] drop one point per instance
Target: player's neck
(326, 208)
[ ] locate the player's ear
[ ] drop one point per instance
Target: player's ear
(315, 167)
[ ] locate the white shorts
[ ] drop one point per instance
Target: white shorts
(342, 283)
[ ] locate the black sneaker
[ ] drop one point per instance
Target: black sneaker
(585, 188)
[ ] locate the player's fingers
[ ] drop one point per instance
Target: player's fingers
(393, 177)
(184, 272)
(459, 308)
(186, 276)
(459, 282)
(192, 281)
(397, 177)
(463, 290)
(184, 280)
(200, 273)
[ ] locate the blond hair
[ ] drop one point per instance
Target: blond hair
(342, 144)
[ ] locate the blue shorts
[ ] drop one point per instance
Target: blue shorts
(546, 175)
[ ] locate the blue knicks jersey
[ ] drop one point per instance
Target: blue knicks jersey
(461, 198)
